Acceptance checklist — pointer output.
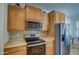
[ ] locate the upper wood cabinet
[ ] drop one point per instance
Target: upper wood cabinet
(58, 17)
(39, 16)
(51, 24)
(16, 18)
(30, 13)
(55, 17)
(62, 18)
(45, 22)
(33, 14)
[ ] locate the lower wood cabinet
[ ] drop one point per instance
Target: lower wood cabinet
(17, 53)
(45, 49)
(50, 48)
(19, 50)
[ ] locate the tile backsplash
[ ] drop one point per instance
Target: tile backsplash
(16, 34)
(21, 34)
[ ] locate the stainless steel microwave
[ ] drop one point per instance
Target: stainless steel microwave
(33, 25)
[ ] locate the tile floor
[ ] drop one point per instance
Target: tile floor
(74, 49)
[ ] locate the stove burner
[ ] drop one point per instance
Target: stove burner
(34, 41)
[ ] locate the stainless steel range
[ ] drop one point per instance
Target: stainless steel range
(34, 41)
(35, 45)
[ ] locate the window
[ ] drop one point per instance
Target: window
(77, 27)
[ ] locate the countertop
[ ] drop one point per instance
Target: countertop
(21, 41)
(15, 42)
(47, 39)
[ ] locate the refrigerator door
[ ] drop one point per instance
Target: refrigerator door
(67, 40)
(57, 39)
(62, 37)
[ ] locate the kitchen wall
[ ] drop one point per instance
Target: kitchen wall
(73, 26)
(5, 32)
(68, 21)
(3, 26)
(1, 30)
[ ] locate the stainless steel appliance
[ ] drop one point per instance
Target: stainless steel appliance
(35, 45)
(61, 40)
(67, 39)
(33, 25)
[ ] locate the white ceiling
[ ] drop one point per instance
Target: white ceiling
(70, 10)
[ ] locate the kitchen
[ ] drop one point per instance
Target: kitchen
(30, 26)
(35, 31)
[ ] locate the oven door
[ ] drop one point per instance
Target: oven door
(36, 50)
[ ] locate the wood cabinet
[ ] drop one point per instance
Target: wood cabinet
(55, 17)
(50, 48)
(16, 18)
(19, 50)
(30, 13)
(51, 24)
(62, 18)
(38, 14)
(33, 14)
(45, 22)
(58, 17)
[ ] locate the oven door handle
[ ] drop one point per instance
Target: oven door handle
(31, 45)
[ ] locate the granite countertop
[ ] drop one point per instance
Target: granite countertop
(47, 38)
(15, 42)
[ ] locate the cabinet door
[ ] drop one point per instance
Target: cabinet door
(16, 50)
(16, 18)
(30, 13)
(50, 48)
(62, 18)
(38, 15)
(51, 25)
(33, 14)
(56, 17)
(45, 22)
(11, 18)
(20, 19)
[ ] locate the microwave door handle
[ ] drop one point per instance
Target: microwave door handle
(41, 26)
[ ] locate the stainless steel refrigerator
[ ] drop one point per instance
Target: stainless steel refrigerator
(61, 40)
(67, 39)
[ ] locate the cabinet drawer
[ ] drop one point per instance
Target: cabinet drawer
(15, 49)
(21, 48)
(20, 53)
(9, 50)
(17, 53)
